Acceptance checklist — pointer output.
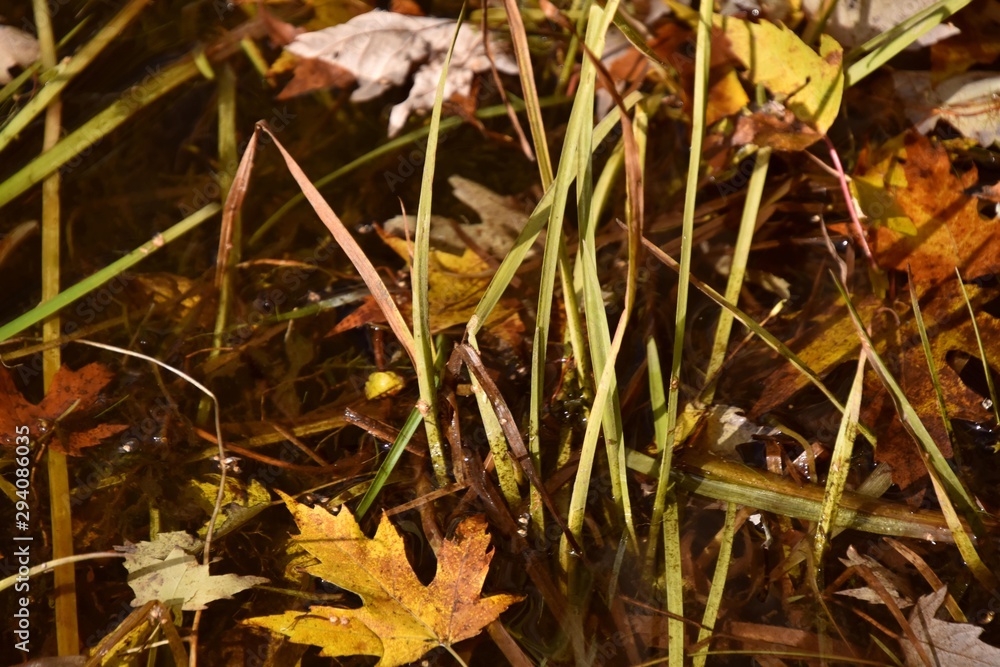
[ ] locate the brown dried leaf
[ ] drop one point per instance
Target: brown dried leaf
(825, 346)
(947, 643)
(918, 178)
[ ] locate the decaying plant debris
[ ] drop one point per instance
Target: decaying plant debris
(560, 334)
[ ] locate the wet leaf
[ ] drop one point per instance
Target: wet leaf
(457, 275)
(164, 570)
(809, 84)
(946, 643)
(69, 405)
(892, 582)
(381, 50)
(501, 220)
(913, 176)
(240, 501)
(401, 618)
(823, 348)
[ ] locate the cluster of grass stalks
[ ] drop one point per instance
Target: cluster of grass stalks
(648, 536)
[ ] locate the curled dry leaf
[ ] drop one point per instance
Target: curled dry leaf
(381, 50)
(401, 619)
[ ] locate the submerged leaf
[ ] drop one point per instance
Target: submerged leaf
(967, 102)
(382, 49)
(913, 177)
(72, 398)
(164, 570)
(946, 643)
(401, 618)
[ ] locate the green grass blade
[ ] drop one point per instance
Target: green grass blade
(536, 222)
(92, 282)
(947, 486)
(701, 69)
(737, 270)
(929, 356)
(840, 465)
(66, 72)
(422, 339)
(714, 600)
(578, 141)
(519, 39)
(882, 48)
(666, 513)
(391, 459)
(982, 349)
(761, 333)
(711, 477)
(105, 122)
(702, 58)
(910, 419)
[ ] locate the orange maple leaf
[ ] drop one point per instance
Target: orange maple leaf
(947, 230)
(401, 618)
(73, 393)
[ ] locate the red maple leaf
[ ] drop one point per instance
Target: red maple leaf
(73, 393)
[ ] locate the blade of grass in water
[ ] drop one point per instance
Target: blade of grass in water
(883, 47)
(737, 269)
(422, 340)
(702, 62)
(92, 282)
(60, 509)
(597, 27)
(68, 71)
(712, 477)
(666, 512)
(389, 464)
(579, 122)
(948, 487)
(982, 349)
(106, 121)
(714, 600)
(840, 465)
(536, 222)
(761, 333)
(925, 342)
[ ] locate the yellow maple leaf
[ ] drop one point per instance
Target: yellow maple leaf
(809, 84)
(401, 618)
